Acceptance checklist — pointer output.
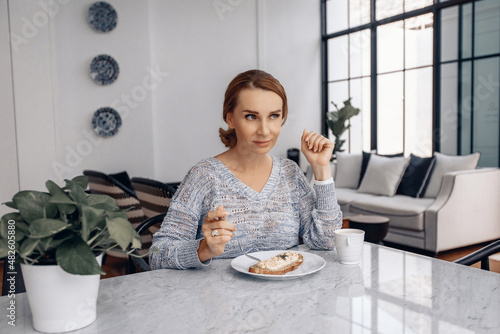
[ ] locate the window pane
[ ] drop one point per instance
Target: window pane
(360, 124)
(466, 103)
(359, 49)
(449, 30)
(487, 27)
(416, 4)
(336, 16)
(337, 58)
(467, 30)
(390, 113)
(418, 111)
(418, 41)
(359, 12)
(388, 8)
(449, 108)
(486, 112)
(338, 92)
(390, 47)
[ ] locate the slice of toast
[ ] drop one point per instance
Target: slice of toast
(278, 265)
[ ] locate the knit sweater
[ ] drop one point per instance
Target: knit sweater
(271, 219)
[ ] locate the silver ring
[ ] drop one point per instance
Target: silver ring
(215, 233)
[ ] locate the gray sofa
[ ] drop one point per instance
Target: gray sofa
(457, 205)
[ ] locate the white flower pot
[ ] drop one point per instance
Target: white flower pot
(60, 301)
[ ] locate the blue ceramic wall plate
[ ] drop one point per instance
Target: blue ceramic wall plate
(102, 16)
(106, 122)
(104, 70)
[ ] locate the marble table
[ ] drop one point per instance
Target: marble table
(390, 291)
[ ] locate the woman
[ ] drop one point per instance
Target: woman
(244, 196)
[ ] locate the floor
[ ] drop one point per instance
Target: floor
(115, 266)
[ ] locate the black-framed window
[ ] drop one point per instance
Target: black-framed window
(424, 73)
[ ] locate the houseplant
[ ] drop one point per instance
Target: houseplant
(68, 228)
(337, 122)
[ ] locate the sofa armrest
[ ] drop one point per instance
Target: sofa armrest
(466, 210)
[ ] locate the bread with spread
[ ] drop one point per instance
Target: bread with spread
(279, 264)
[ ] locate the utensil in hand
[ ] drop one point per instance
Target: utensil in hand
(250, 256)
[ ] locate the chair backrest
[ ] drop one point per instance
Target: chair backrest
(482, 255)
(140, 264)
(100, 183)
(154, 196)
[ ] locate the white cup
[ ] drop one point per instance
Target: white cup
(349, 244)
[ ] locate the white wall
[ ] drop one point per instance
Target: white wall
(55, 98)
(194, 47)
(203, 47)
(9, 178)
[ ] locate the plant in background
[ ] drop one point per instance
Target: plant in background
(337, 122)
(65, 224)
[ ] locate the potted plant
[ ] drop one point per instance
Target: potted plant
(337, 122)
(59, 237)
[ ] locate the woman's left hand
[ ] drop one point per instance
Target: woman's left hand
(318, 152)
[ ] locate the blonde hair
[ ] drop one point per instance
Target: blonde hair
(249, 79)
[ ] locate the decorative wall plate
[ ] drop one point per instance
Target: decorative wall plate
(104, 70)
(102, 16)
(106, 122)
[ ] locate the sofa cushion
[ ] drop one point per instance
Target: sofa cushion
(347, 196)
(445, 164)
(403, 211)
(347, 171)
(366, 159)
(415, 176)
(383, 175)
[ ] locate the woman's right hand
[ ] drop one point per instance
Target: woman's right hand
(214, 242)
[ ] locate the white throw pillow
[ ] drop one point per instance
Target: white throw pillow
(348, 170)
(445, 164)
(383, 175)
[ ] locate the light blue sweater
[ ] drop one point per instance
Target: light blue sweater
(271, 219)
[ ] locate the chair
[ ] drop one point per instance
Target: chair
(119, 187)
(481, 255)
(154, 196)
(140, 264)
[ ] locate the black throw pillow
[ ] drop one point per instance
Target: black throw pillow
(366, 159)
(416, 176)
(123, 179)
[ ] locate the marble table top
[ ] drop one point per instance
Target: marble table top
(390, 291)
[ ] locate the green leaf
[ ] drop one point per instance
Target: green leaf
(121, 231)
(90, 218)
(82, 181)
(10, 205)
(104, 202)
(27, 247)
(42, 228)
(75, 257)
(76, 192)
(33, 205)
(59, 197)
(4, 222)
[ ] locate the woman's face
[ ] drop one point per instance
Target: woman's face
(257, 120)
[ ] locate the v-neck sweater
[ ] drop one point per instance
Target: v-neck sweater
(272, 219)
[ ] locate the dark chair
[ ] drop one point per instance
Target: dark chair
(140, 264)
(154, 196)
(481, 255)
(119, 187)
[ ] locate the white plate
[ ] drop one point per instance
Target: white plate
(312, 263)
